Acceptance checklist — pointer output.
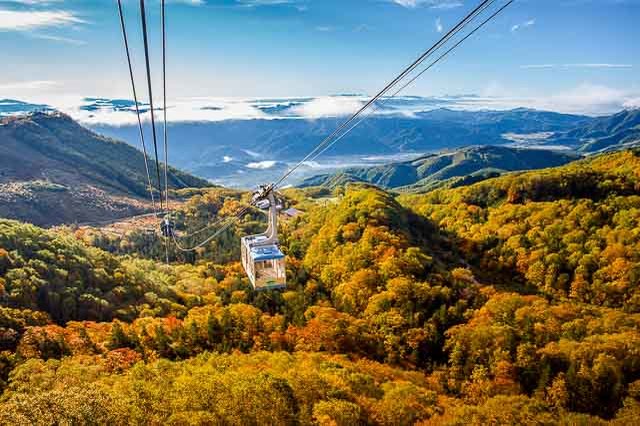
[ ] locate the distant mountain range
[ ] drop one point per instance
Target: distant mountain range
(228, 151)
(471, 164)
(52, 170)
(293, 138)
(243, 143)
(604, 133)
(458, 167)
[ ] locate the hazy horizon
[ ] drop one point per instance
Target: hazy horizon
(60, 51)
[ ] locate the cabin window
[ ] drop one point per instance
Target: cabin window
(270, 270)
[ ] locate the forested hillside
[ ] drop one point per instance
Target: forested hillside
(52, 171)
(454, 168)
(510, 301)
(605, 133)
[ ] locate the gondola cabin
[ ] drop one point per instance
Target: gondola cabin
(262, 259)
(167, 227)
(264, 264)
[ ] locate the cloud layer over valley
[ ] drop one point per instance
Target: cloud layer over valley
(585, 99)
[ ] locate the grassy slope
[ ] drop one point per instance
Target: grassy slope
(52, 170)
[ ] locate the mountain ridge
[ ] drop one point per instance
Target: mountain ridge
(432, 169)
(604, 133)
(53, 171)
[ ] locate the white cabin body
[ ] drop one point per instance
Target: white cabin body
(262, 259)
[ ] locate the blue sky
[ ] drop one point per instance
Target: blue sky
(560, 53)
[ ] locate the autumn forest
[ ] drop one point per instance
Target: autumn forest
(514, 300)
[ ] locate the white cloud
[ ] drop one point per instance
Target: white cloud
(632, 103)
(361, 28)
(26, 20)
(328, 106)
(598, 66)
(406, 3)
(34, 2)
(526, 24)
(198, 109)
(59, 39)
(587, 99)
(28, 85)
(262, 165)
(569, 66)
(538, 66)
(433, 4)
(191, 2)
(253, 3)
(299, 5)
(439, 27)
(584, 99)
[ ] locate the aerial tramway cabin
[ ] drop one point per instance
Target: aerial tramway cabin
(261, 256)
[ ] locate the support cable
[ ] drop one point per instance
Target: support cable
(431, 65)
(230, 221)
(135, 100)
(164, 110)
(337, 135)
(389, 86)
(143, 15)
(219, 221)
(164, 105)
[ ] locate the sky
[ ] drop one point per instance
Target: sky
(564, 55)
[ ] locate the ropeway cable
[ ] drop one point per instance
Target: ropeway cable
(143, 15)
(135, 100)
(431, 65)
(164, 110)
(323, 146)
(330, 141)
(122, 219)
(166, 159)
(164, 104)
(230, 220)
(219, 221)
(389, 86)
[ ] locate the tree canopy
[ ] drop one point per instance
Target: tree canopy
(511, 301)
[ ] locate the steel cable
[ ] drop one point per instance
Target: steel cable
(330, 141)
(143, 16)
(135, 100)
(389, 86)
(431, 65)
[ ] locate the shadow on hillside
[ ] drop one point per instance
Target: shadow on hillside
(451, 251)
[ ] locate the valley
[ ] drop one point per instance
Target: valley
(241, 143)
(457, 167)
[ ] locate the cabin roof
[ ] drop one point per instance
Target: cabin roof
(292, 212)
(271, 252)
